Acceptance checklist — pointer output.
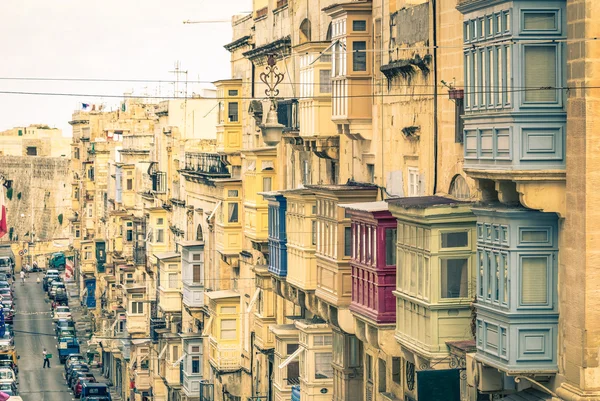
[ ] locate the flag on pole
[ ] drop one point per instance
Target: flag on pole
(85, 106)
(3, 228)
(69, 270)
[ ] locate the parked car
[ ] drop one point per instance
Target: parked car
(5, 284)
(54, 286)
(64, 323)
(95, 392)
(73, 370)
(7, 342)
(66, 332)
(57, 261)
(9, 387)
(61, 312)
(8, 303)
(8, 315)
(82, 376)
(73, 358)
(61, 297)
(6, 293)
(49, 277)
(6, 265)
(9, 359)
(87, 378)
(7, 374)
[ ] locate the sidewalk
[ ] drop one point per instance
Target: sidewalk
(83, 328)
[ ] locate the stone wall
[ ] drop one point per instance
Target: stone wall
(41, 192)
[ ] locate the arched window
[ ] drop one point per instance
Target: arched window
(328, 36)
(199, 235)
(459, 189)
(305, 31)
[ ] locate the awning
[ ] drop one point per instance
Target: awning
(253, 301)
(290, 358)
(177, 362)
(528, 395)
(207, 327)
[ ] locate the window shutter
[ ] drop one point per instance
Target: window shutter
(540, 72)
(534, 281)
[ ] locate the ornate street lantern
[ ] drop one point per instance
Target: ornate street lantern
(271, 129)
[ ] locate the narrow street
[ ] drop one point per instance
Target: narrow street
(34, 331)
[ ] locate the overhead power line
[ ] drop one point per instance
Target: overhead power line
(388, 95)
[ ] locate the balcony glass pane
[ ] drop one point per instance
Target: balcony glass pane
(455, 240)
(454, 280)
(534, 281)
(539, 21)
(228, 329)
(232, 215)
(348, 241)
(390, 246)
(323, 368)
(325, 81)
(232, 112)
(540, 72)
(359, 56)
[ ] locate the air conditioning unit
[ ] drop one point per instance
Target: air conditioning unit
(481, 377)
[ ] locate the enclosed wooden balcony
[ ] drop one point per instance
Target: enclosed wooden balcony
(143, 380)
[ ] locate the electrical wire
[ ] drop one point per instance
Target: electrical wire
(367, 96)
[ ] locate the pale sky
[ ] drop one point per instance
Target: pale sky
(114, 39)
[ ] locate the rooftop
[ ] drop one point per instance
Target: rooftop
(422, 202)
(224, 294)
(379, 206)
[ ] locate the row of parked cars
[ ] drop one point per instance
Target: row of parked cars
(78, 375)
(9, 369)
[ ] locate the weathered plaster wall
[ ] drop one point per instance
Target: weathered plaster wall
(41, 191)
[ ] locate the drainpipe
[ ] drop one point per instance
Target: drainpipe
(435, 98)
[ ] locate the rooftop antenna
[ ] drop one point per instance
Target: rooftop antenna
(177, 73)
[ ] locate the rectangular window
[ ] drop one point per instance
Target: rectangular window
(359, 26)
(232, 212)
(314, 232)
(160, 235)
(323, 368)
(137, 308)
(129, 184)
(381, 375)
(197, 274)
(534, 281)
(160, 221)
(371, 173)
(325, 81)
(228, 329)
(391, 236)
(266, 184)
(396, 369)
(539, 21)
(540, 72)
(173, 280)
(347, 241)
(232, 92)
(454, 283)
(232, 112)
(195, 364)
(413, 181)
(369, 367)
(31, 151)
(455, 240)
(359, 56)
(232, 193)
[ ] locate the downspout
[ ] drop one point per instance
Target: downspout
(253, 81)
(435, 98)
(381, 54)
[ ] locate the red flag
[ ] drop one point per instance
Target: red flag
(3, 229)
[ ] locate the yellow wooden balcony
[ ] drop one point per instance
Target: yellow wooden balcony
(264, 337)
(229, 139)
(168, 372)
(89, 185)
(228, 239)
(137, 324)
(143, 381)
(170, 299)
(256, 222)
(224, 357)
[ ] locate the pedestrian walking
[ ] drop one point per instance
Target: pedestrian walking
(46, 359)
(22, 277)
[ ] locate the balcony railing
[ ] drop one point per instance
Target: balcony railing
(224, 357)
(205, 163)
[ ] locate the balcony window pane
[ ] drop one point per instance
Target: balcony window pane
(538, 21)
(359, 56)
(160, 235)
(233, 112)
(455, 240)
(323, 368)
(197, 274)
(232, 214)
(347, 241)
(325, 81)
(195, 364)
(534, 281)
(391, 235)
(228, 329)
(267, 184)
(540, 72)
(454, 283)
(359, 25)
